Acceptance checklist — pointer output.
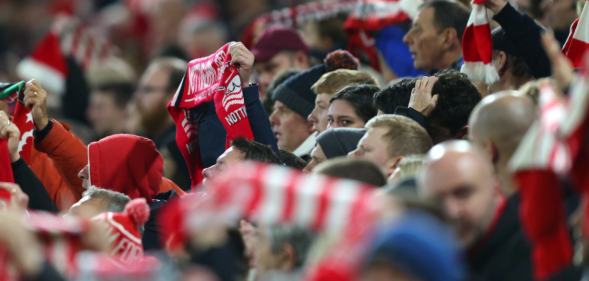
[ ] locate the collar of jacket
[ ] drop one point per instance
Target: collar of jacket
(457, 64)
(506, 227)
(306, 147)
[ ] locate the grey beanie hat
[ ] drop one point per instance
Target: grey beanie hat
(339, 141)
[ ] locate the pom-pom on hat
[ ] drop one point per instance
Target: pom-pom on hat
(124, 233)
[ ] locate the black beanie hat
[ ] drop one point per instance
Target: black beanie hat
(337, 142)
(296, 92)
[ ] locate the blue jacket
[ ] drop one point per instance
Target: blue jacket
(212, 134)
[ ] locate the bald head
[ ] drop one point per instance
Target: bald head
(504, 119)
(460, 175)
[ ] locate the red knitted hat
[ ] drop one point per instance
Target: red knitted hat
(124, 230)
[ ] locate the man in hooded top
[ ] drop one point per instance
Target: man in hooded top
(124, 163)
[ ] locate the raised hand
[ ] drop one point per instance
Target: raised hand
(36, 98)
(422, 99)
(242, 56)
(561, 67)
(10, 132)
(19, 200)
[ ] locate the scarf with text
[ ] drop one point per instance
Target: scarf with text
(207, 79)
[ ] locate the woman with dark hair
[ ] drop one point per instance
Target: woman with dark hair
(352, 106)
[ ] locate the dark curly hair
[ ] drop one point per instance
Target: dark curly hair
(360, 98)
(387, 99)
(457, 97)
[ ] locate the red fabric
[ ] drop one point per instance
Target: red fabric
(482, 49)
(23, 119)
(544, 221)
(6, 171)
(577, 43)
(126, 163)
(369, 16)
(258, 191)
(123, 231)
(208, 79)
(48, 52)
(477, 46)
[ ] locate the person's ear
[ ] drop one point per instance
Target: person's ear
(462, 133)
(500, 62)
(392, 164)
(449, 37)
(492, 150)
(287, 258)
(301, 60)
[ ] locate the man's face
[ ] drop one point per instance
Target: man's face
(424, 41)
(272, 67)
(227, 159)
(466, 188)
(319, 114)
(152, 97)
(342, 115)
(372, 147)
(317, 157)
(87, 208)
(105, 115)
(265, 259)
(290, 128)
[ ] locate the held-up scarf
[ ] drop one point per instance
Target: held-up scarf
(207, 79)
(477, 46)
(578, 41)
(23, 119)
(273, 194)
(553, 147)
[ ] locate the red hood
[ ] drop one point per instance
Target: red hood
(126, 163)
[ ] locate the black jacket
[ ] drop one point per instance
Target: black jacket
(524, 34)
(506, 255)
(39, 199)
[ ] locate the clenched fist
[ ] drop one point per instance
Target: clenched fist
(36, 98)
(242, 56)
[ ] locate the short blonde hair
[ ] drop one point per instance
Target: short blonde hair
(404, 136)
(332, 82)
(410, 166)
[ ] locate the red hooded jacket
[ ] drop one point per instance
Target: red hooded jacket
(128, 164)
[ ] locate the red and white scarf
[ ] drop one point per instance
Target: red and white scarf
(554, 146)
(272, 194)
(477, 46)
(23, 119)
(60, 239)
(207, 79)
(578, 41)
(374, 15)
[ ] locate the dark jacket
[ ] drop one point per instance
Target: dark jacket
(524, 34)
(167, 140)
(39, 198)
(506, 254)
(212, 134)
(151, 235)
